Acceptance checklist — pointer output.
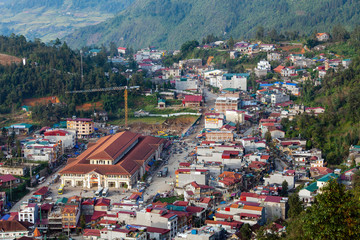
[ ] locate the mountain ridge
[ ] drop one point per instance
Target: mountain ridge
(168, 23)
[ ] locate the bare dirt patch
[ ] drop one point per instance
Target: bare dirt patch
(8, 59)
(43, 100)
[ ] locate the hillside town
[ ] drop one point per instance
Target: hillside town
(233, 166)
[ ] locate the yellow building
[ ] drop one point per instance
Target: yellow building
(83, 126)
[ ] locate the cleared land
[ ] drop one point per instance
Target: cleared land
(6, 59)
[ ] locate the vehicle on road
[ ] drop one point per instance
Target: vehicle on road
(98, 193)
(105, 192)
(164, 172)
(41, 180)
(159, 173)
(61, 189)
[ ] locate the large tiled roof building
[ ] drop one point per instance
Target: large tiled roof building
(114, 161)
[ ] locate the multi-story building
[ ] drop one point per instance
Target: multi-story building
(220, 136)
(13, 229)
(233, 80)
(273, 56)
(29, 213)
(186, 84)
(280, 177)
(115, 161)
(14, 170)
(159, 218)
(223, 103)
(185, 176)
(43, 150)
(66, 136)
(214, 121)
(277, 98)
(235, 116)
(84, 126)
(70, 216)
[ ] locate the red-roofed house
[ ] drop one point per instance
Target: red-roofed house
(8, 180)
(41, 193)
(192, 101)
(121, 50)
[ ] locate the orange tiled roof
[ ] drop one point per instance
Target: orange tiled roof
(110, 148)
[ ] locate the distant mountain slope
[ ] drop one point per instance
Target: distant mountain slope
(51, 19)
(168, 23)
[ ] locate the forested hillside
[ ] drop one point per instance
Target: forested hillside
(169, 23)
(51, 70)
(51, 19)
(339, 127)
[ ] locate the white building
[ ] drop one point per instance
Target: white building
(214, 122)
(43, 150)
(66, 136)
(233, 80)
(279, 98)
(235, 116)
(186, 84)
(280, 177)
(159, 218)
(273, 57)
(29, 213)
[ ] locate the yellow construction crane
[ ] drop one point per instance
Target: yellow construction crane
(125, 88)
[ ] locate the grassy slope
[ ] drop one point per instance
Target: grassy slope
(169, 23)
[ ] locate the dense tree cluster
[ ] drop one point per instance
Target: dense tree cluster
(51, 70)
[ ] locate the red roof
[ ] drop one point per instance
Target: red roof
(97, 215)
(56, 133)
(41, 191)
(157, 230)
(194, 209)
(103, 202)
(233, 224)
(181, 203)
(226, 216)
(111, 147)
(7, 178)
(274, 199)
(91, 232)
(192, 98)
(184, 164)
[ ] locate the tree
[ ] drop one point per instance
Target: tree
(260, 33)
(268, 137)
(339, 33)
(82, 221)
(295, 205)
(284, 188)
(4, 132)
(245, 231)
(231, 43)
(335, 214)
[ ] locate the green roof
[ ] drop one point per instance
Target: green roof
(161, 100)
(312, 187)
(230, 89)
(328, 177)
(62, 200)
(232, 124)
